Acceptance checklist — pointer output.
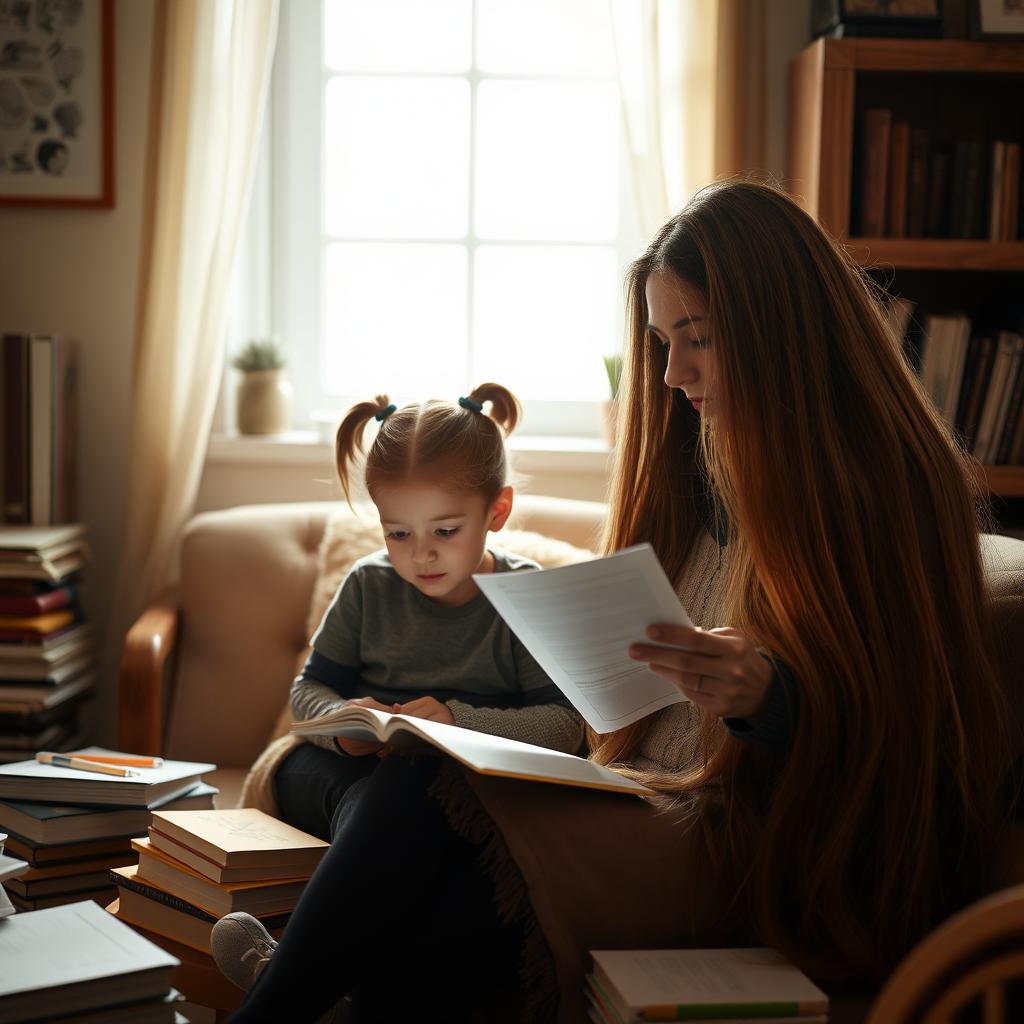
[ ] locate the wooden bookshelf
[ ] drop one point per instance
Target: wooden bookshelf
(976, 88)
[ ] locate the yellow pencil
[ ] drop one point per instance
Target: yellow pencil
(126, 761)
(67, 761)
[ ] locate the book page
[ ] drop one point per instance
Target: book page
(578, 622)
(484, 753)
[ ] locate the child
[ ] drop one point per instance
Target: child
(408, 630)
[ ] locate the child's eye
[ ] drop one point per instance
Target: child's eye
(446, 531)
(396, 534)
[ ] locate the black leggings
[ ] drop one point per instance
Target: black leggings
(399, 913)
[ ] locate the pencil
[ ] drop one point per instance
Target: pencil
(126, 761)
(67, 761)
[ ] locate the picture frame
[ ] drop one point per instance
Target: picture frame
(914, 19)
(57, 103)
(998, 20)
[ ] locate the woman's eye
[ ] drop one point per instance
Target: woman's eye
(447, 531)
(699, 342)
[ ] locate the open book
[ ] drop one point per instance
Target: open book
(484, 753)
(578, 622)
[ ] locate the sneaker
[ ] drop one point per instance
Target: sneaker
(242, 948)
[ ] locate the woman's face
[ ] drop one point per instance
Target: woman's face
(677, 320)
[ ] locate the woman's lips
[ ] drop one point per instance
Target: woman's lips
(697, 403)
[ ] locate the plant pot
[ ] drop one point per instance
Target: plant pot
(610, 420)
(264, 403)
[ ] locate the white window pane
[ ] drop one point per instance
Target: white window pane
(542, 37)
(398, 35)
(394, 320)
(543, 317)
(397, 157)
(547, 161)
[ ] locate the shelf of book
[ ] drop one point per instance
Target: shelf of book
(908, 151)
(1006, 481)
(937, 253)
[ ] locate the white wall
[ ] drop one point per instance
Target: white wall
(73, 273)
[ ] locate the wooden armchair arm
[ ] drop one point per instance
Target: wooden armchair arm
(140, 686)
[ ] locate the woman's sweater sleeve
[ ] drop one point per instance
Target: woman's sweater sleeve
(546, 725)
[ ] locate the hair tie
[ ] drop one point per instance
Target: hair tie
(469, 403)
(385, 413)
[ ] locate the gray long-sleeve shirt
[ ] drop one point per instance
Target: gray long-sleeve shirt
(382, 638)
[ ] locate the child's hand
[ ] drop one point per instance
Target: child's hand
(361, 748)
(425, 707)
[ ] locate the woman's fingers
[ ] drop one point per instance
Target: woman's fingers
(675, 658)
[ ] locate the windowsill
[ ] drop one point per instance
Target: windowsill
(297, 447)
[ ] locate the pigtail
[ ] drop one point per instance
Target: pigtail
(505, 408)
(348, 442)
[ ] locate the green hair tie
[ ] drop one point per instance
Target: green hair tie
(469, 403)
(385, 413)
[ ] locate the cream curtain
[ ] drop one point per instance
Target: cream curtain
(212, 61)
(692, 75)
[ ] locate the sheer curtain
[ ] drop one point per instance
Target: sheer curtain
(211, 72)
(692, 77)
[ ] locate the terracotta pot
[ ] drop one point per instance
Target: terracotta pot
(264, 403)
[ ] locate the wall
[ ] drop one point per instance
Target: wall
(73, 273)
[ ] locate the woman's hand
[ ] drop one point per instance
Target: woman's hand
(361, 748)
(720, 669)
(425, 707)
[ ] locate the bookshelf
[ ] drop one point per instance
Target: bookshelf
(955, 88)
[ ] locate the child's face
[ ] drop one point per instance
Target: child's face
(436, 538)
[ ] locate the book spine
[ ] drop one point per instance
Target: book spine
(899, 174)
(65, 432)
(875, 172)
(40, 470)
(1011, 192)
(917, 205)
(937, 220)
(1017, 350)
(728, 1011)
(958, 200)
(995, 210)
(159, 896)
(979, 387)
(976, 200)
(15, 428)
(1013, 415)
(971, 362)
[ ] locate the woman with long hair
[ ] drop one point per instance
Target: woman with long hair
(835, 783)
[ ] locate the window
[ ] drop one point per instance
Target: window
(449, 202)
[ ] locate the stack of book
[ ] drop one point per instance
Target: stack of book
(73, 964)
(975, 377)
(72, 827)
(196, 866)
(47, 658)
(721, 985)
(907, 185)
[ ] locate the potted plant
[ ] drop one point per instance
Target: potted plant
(264, 398)
(613, 367)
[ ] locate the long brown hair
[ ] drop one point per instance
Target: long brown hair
(461, 444)
(854, 557)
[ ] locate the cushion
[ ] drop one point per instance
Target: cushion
(348, 536)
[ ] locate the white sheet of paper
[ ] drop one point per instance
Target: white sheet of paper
(578, 622)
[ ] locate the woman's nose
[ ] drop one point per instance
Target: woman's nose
(680, 371)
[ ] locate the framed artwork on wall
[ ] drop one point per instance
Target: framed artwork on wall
(918, 19)
(57, 103)
(998, 20)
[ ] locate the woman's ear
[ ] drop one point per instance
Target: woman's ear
(501, 509)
